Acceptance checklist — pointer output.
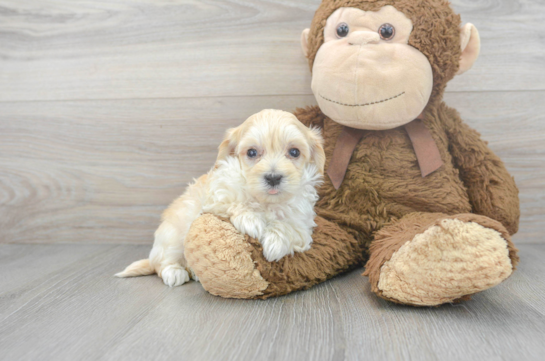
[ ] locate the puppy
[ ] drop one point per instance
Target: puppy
(264, 181)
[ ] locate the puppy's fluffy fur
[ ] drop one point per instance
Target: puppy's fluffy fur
(259, 182)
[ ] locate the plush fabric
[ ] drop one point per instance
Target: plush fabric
(471, 47)
(446, 262)
(385, 211)
(333, 251)
(455, 249)
(436, 32)
(221, 258)
(383, 184)
(231, 265)
(348, 74)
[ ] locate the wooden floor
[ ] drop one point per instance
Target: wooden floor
(60, 302)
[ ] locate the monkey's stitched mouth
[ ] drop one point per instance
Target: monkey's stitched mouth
(364, 104)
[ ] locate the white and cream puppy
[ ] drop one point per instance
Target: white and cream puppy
(264, 181)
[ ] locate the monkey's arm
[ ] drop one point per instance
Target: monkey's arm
(310, 116)
(492, 190)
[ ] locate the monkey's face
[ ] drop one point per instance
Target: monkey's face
(366, 75)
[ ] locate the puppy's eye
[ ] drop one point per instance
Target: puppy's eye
(251, 153)
(387, 31)
(294, 152)
(342, 30)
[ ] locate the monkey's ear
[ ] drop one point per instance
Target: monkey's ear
(304, 42)
(229, 143)
(471, 46)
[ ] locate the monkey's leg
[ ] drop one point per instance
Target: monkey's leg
(233, 266)
(427, 259)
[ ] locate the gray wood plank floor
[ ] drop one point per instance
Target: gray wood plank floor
(60, 302)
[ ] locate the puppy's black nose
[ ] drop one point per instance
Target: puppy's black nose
(273, 179)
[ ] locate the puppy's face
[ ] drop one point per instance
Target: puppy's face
(274, 149)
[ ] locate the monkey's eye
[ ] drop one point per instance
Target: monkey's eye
(387, 31)
(294, 152)
(342, 30)
(251, 153)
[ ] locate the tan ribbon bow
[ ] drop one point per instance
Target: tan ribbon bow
(425, 148)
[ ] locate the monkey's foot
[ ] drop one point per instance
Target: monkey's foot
(231, 265)
(448, 261)
(221, 259)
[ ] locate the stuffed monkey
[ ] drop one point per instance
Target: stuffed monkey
(410, 188)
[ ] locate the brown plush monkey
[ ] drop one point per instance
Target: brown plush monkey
(410, 187)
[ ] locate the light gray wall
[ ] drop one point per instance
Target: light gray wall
(108, 108)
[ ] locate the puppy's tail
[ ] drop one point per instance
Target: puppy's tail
(138, 268)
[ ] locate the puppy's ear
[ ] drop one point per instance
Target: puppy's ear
(317, 153)
(229, 143)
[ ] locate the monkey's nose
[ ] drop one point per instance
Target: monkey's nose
(363, 38)
(273, 179)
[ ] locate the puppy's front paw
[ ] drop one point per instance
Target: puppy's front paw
(301, 249)
(248, 223)
(174, 275)
(275, 246)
